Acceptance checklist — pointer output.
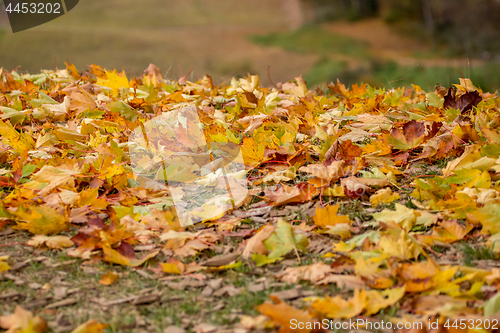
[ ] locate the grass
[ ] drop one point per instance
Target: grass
(480, 252)
(127, 35)
(390, 74)
(36, 282)
(313, 39)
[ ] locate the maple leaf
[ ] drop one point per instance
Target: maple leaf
(353, 187)
(173, 266)
(488, 216)
(53, 242)
(114, 80)
(50, 177)
(325, 173)
(40, 220)
(377, 300)
(464, 103)
(116, 257)
(327, 216)
(398, 243)
(412, 135)
(284, 314)
(255, 244)
(283, 240)
(91, 326)
(339, 308)
(419, 276)
(108, 278)
(21, 142)
(406, 217)
(313, 273)
(384, 195)
(22, 321)
(446, 232)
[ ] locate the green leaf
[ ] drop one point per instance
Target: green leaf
(492, 305)
(42, 99)
(28, 170)
(16, 117)
(452, 114)
(434, 100)
(283, 241)
(492, 151)
(262, 259)
(123, 109)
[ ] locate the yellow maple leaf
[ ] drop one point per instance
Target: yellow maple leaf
(377, 300)
(339, 308)
(23, 321)
(54, 242)
(114, 80)
(108, 278)
(40, 220)
(116, 257)
(397, 243)
(284, 314)
(404, 216)
(173, 266)
(253, 152)
(384, 195)
(91, 326)
(328, 216)
(488, 216)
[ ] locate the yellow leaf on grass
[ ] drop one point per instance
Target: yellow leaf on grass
(339, 308)
(108, 278)
(284, 314)
(405, 217)
(173, 266)
(91, 326)
(328, 216)
(341, 229)
(377, 300)
(397, 243)
(489, 217)
(22, 321)
(116, 257)
(384, 195)
(334, 191)
(255, 243)
(314, 273)
(40, 220)
(54, 242)
(344, 247)
(3, 265)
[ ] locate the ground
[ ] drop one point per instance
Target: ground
(356, 203)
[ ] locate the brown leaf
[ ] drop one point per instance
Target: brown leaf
(464, 103)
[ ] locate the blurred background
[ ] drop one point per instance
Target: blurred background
(381, 42)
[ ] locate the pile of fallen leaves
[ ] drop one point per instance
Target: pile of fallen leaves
(385, 186)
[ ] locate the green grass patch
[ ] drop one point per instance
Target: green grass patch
(480, 252)
(390, 75)
(313, 39)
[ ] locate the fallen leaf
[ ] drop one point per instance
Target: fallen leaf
(52, 242)
(22, 321)
(339, 308)
(284, 314)
(108, 278)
